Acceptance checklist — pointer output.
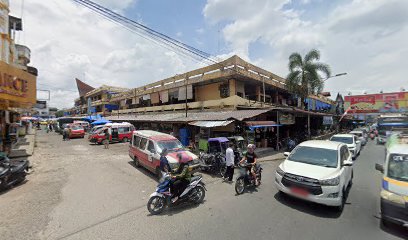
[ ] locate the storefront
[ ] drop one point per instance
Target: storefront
(17, 94)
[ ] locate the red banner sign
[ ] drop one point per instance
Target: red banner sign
(362, 99)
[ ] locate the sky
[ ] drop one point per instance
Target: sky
(364, 38)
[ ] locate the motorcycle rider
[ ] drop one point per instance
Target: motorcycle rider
(181, 179)
(251, 157)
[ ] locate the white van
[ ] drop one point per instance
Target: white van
(394, 189)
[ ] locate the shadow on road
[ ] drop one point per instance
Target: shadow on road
(307, 207)
(146, 172)
(395, 230)
(179, 208)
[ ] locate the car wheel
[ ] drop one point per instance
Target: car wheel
(159, 173)
(343, 200)
(136, 162)
(125, 140)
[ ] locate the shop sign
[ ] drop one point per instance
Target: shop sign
(286, 119)
(17, 85)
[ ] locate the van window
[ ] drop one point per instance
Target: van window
(143, 143)
(136, 141)
(151, 148)
(124, 129)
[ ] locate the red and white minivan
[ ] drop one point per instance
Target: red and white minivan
(120, 132)
(146, 146)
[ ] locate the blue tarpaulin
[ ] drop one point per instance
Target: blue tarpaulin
(101, 122)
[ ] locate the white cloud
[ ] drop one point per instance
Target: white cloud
(69, 41)
(365, 38)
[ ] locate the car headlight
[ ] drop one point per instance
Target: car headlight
(330, 182)
(280, 172)
(392, 197)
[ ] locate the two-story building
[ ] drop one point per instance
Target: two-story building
(228, 96)
(17, 79)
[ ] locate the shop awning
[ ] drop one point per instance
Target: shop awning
(258, 124)
(211, 124)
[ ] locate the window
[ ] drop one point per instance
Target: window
(124, 129)
(136, 141)
(315, 156)
(151, 148)
(143, 143)
(344, 153)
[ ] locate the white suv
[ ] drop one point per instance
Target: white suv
(317, 171)
(353, 144)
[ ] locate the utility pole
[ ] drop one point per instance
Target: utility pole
(186, 96)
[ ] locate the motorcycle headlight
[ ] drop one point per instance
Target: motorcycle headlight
(280, 172)
(174, 166)
(330, 182)
(392, 197)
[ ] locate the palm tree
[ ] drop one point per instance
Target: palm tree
(304, 77)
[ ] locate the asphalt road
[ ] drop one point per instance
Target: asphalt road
(82, 191)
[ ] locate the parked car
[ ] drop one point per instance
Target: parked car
(361, 136)
(353, 144)
(146, 145)
(83, 124)
(120, 132)
(318, 171)
(76, 131)
(394, 191)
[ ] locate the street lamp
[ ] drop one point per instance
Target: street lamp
(308, 107)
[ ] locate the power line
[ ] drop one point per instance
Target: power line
(146, 31)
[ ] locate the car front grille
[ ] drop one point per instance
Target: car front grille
(309, 184)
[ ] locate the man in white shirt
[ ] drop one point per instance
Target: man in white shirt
(229, 157)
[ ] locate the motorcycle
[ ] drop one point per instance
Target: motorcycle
(245, 179)
(213, 162)
(194, 192)
(12, 172)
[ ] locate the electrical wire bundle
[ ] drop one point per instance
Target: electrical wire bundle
(148, 33)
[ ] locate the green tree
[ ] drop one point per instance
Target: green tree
(59, 113)
(305, 73)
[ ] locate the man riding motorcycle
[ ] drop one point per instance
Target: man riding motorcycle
(181, 179)
(250, 157)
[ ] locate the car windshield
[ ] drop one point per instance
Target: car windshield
(169, 145)
(398, 167)
(346, 140)
(75, 127)
(315, 156)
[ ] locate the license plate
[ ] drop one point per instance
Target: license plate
(299, 191)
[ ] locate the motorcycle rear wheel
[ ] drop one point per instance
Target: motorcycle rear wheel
(240, 186)
(156, 205)
(223, 169)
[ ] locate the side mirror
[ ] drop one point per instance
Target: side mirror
(379, 167)
(347, 163)
(358, 142)
(286, 154)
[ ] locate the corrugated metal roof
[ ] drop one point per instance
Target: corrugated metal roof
(239, 115)
(211, 124)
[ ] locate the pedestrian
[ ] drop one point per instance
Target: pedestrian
(65, 134)
(229, 157)
(107, 138)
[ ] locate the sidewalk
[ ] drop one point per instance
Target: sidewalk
(277, 156)
(24, 147)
